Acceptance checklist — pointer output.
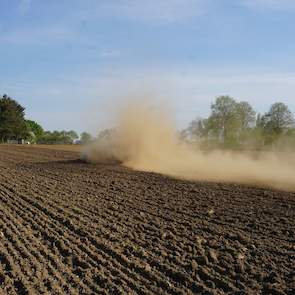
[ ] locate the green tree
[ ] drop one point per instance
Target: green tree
(278, 118)
(196, 131)
(66, 137)
(230, 124)
(72, 134)
(276, 122)
(12, 120)
(246, 117)
(35, 131)
(58, 137)
(85, 137)
(223, 117)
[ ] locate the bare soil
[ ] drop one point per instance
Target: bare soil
(68, 227)
(62, 147)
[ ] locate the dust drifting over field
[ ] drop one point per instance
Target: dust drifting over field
(146, 139)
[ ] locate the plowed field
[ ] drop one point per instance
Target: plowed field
(68, 227)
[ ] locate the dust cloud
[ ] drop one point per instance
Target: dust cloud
(146, 139)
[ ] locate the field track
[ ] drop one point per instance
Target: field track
(67, 227)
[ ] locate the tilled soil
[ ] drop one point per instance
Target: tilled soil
(68, 227)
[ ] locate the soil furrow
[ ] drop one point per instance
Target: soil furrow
(105, 229)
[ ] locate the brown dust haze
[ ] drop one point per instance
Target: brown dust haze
(146, 139)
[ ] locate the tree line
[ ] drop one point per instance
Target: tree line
(233, 124)
(15, 127)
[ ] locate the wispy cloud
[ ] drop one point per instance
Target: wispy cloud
(269, 4)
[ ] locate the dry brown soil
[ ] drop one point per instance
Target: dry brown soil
(62, 147)
(68, 227)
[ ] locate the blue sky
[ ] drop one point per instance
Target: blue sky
(69, 61)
